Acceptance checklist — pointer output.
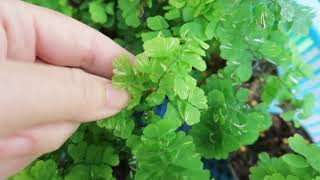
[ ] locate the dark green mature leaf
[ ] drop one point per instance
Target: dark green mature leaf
(81, 172)
(228, 123)
(174, 153)
(40, 170)
(45, 170)
(93, 154)
(85, 172)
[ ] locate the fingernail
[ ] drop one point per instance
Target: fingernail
(117, 99)
(15, 146)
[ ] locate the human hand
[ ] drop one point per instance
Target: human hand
(44, 94)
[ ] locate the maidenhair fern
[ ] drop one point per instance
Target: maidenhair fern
(173, 41)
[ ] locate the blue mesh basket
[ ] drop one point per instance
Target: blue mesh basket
(309, 49)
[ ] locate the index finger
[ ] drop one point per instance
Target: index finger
(61, 40)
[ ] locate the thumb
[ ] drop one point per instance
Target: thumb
(33, 94)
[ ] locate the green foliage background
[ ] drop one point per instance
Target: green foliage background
(174, 41)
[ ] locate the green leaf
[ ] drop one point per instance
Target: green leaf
(121, 124)
(110, 8)
(194, 60)
(45, 170)
(275, 177)
(295, 161)
(227, 124)
(110, 156)
(195, 28)
(125, 78)
(161, 47)
(271, 50)
(302, 20)
(155, 98)
(290, 166)
(98, 12)
(243, 95)
(197, 98)
(130, 12)
(177, 3)
(236, 51)
(287, 10)
(174, 154)
(124, 73)
(211, 29)
(94, 153)
(172, 14)
(216, 99)
(146, 36)
(78, 136)
(77, 151)
(308, 106)
(288, 115)
(79, 172)
(272, 85)
(39, 170)
(310, 151)
(190, 114)
(244, 71)
(102, 172)
(172, 113)
(157, 23)
(181, 88)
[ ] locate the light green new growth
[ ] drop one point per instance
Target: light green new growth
(303, 164)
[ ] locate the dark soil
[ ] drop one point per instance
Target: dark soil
(273, 141)
(215, 64)
(121, 171)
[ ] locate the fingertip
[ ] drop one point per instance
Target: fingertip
(74, 44)
(10, 167)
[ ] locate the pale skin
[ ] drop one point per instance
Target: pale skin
(54, 75)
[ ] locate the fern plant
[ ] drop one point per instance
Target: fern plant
(173, 41)
(302, 164)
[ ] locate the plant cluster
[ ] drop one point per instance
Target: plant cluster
(173, 41)
(302, 164)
